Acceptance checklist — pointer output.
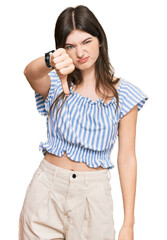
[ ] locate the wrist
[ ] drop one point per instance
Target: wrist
(128, 223)
(50, 62)
(48, 59)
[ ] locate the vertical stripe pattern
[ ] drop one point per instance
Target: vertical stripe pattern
(85, 129)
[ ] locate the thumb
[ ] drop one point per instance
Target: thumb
(64, 83)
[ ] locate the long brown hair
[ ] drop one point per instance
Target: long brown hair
(81, 18)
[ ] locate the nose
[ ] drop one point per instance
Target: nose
(79, 51)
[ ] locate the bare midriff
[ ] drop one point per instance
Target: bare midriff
(67, 163)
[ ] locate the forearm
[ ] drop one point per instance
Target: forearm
(127, 168)
(36, 69)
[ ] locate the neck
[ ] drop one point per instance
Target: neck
(89, 78)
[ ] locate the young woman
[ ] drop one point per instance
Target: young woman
(87, 108)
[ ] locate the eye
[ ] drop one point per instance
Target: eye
(86, 42)
(69, 47)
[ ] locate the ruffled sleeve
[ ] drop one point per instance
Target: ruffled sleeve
(42, 105)
(130, 96)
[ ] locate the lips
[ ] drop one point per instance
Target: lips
(83, 60)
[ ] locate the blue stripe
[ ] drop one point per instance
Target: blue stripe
(85, 129)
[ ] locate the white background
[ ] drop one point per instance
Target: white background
(136, 33)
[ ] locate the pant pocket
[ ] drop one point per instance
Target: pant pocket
(36, 190)
(107, 191)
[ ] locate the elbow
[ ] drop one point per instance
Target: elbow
(29, 72)
(26, 71)
(127, 157)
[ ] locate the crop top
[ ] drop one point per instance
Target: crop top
(85, 129)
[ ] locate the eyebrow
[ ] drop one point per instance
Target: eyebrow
(82, 41)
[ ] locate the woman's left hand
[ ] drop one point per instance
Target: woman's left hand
(126, 233)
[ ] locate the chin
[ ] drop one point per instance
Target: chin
(84, 66)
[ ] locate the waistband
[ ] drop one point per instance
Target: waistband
(74, 176)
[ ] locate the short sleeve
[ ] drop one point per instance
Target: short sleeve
(130, 96)
(42, 105)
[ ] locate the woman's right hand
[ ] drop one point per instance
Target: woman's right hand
(63, 64)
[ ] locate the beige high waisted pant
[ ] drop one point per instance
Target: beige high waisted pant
(66, 204)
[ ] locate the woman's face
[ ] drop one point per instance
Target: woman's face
(83, 48)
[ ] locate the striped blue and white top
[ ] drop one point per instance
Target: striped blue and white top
(85, 129)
